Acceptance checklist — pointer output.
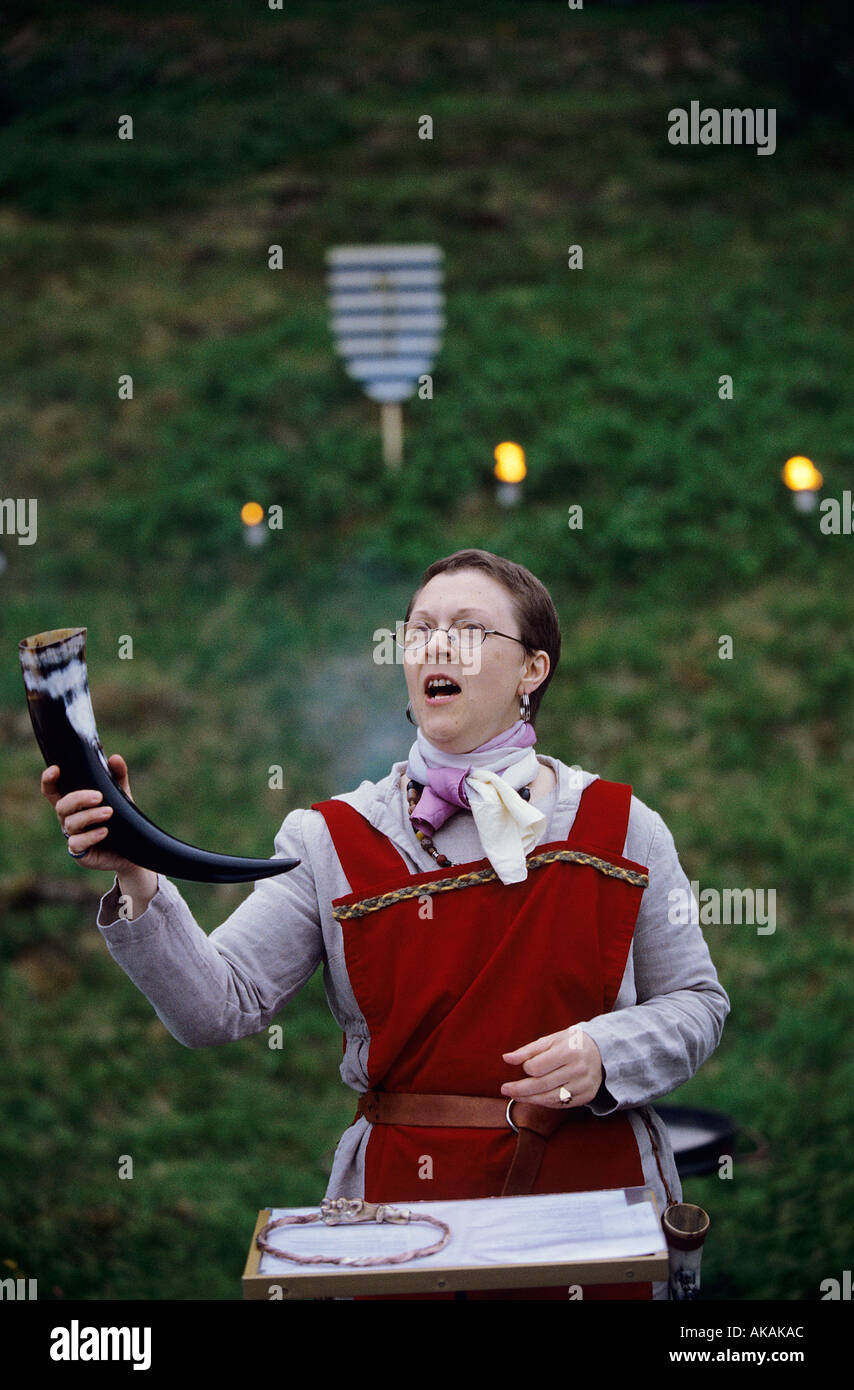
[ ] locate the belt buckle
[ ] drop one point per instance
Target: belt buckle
(507, 1116)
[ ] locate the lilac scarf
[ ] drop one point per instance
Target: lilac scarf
(443, 775)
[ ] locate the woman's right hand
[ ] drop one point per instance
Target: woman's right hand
(83, 819)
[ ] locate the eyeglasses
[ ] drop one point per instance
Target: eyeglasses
(466, 637)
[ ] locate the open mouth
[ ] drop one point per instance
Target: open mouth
(440, 689)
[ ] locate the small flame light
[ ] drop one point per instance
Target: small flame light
(803, 480)
(510, 470)
(254, 530)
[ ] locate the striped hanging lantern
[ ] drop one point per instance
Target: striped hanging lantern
(386, 315)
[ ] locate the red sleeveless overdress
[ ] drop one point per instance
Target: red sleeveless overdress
(448, 982)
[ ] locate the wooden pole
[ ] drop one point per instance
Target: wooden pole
(391, 418)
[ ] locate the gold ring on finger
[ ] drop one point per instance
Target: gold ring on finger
(564, 1096)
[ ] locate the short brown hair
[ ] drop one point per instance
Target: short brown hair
(536, 615)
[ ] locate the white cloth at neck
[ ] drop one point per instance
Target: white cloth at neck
(508, 826)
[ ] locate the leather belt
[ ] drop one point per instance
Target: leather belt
(534, 1124)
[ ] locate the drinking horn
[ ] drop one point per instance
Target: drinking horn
(685, 1228)
(57, 685)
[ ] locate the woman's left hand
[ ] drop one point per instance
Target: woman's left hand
(569, 1058)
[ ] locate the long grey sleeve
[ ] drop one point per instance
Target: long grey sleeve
(653, 1045)
(202, 988)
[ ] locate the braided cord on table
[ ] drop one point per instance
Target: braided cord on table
(354, 1261)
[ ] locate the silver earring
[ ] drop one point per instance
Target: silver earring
(409, 713)
(525, 709)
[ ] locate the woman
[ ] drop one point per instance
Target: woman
(505, 1031)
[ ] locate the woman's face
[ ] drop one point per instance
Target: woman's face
(486, 700)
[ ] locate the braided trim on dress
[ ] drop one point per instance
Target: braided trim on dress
(446, 885)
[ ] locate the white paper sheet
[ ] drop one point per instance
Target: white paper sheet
(495, 1230)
